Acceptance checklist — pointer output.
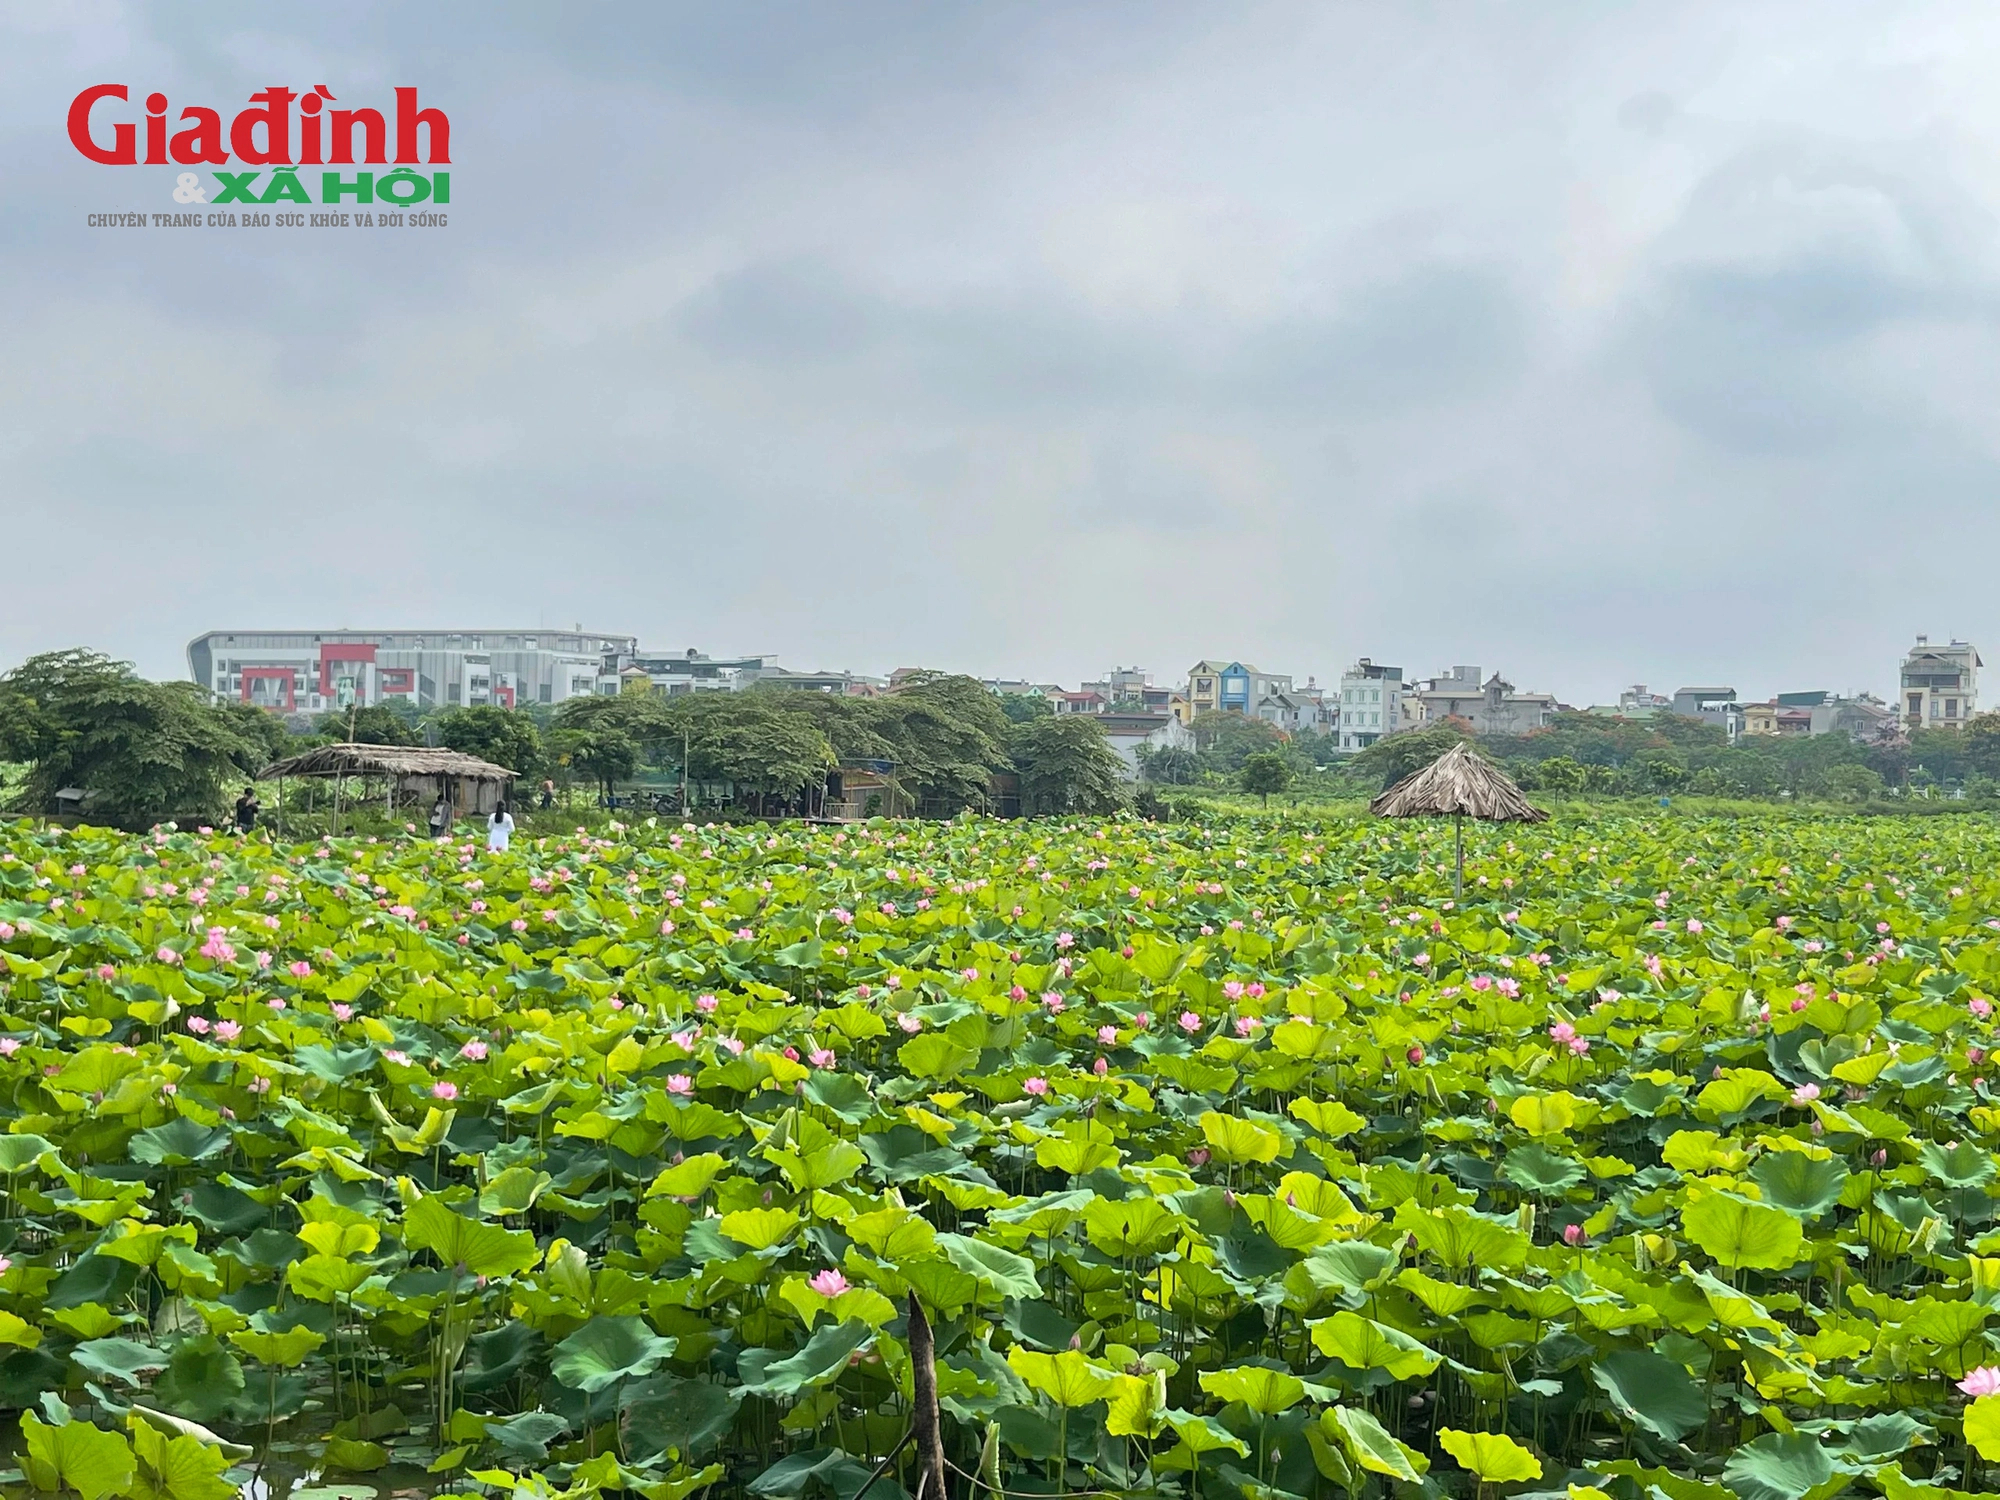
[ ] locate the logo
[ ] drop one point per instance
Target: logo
(257, 149)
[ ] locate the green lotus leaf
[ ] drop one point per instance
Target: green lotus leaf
(1777, 1466)
(1653, 1391)
(1068, 1378)
(1363, 1344)
(1370, 1445)
(118, 1359)
(76, 1456)
(824, 1356)
(607, 1350)
(1793, 1181)
(1000, 1271)
(1737, 1232)
(1492, 1457)
(1265, 1391)
(478, 1249)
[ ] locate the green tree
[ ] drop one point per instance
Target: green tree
(601, 753)
(1169, 765)
(1390, 759)
(1561, 776)
(1264, 773)
(493, 734)
(1023, 708)
(1853, 783)
(144, 749)
(375, 725)
(761, 743)
(949, 736)
(1066, 765)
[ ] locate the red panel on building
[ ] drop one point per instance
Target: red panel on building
(336, 651)
(287, 675)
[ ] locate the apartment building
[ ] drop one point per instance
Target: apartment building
(313, 671)
(1371, 703)
(1940, 684)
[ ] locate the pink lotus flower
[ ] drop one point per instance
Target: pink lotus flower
(733, 1044)
(968, 975)
(1482, 981)
(106, 973)
(474, 1050)
(1198, 1156)
(1038, 1086)
(229, 1031)
(1984, 1381)
(1694, 924)
(1247, 1024)
(1100, 1067)
(1980, 1006)
(198, 1025)
(275, 1003)
(910, 1023)
(444, 1088)
(1232, 990)
(706, 1004)
(1579, 1046)
(1574, 1236)
(342, 1012)
(1107, 1036)
(299, 969)
(828, 1283)
(1805, 1093)
(1142, 1020)
(9, 1045)
(519, 924)
(1065, 940)
(260, 1085)
(167, 955)
(1190, 1022)
(666, 929)
(1053, 1001)
(685, 1039)
(822, 1057)
(1562, 1031)
(397, 1056)
(680, 1083)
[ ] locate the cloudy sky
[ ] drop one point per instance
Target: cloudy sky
(1593, 343)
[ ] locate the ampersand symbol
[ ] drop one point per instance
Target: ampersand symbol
(188, 189)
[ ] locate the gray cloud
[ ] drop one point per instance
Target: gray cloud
(1022, 338)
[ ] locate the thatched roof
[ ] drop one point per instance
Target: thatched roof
(1459, 781)
(385, 760)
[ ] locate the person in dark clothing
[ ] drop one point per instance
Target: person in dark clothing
(246, 810)
(440, 817)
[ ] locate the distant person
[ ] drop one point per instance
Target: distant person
(499, 829)
(548, 795)
(440, 817)
(246, 810)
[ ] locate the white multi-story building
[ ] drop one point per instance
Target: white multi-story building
(1940, 685)
(1371, 703)
(313, 671)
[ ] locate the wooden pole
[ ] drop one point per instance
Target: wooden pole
(924, 1406)
(1458, 880)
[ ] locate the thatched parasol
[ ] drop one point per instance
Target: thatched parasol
(1459, 784)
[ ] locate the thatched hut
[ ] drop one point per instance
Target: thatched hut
(411, 775)
(1459, 784)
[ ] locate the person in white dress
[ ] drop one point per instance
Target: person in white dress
(499, 829)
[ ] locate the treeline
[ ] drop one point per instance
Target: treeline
(940, 745)
(1667, 756)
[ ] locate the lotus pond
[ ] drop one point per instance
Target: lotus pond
(1225, 1161)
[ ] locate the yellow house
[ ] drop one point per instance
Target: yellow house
(1760, 718)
